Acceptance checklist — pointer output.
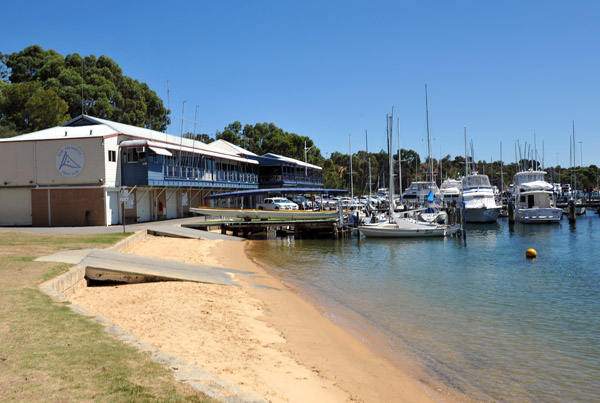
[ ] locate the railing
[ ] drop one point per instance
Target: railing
(196, 174)
(291, 178)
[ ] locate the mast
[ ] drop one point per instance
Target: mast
(535, 163)
(399, 163)
(391, 171)
(574, 159)
(369, 157)
(501, 170)
(466, 154)
(351, 181)
(428, 138)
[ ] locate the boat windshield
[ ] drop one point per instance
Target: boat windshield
(524, 177)
(476, 181)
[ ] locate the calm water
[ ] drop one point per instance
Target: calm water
(477, 318)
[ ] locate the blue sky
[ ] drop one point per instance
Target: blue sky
(330, 69)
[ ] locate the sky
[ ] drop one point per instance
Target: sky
(508, 71)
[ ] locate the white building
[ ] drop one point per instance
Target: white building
(72, 175)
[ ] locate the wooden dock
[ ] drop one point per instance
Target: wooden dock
(299, 228)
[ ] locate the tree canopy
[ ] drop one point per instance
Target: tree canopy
(36, 84)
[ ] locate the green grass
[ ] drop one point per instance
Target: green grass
(48, 352)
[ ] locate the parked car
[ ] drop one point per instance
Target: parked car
(303, 202)
(277, 203)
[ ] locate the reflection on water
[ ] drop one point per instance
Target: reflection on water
(479, 316)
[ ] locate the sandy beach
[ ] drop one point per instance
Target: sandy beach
(266, 340)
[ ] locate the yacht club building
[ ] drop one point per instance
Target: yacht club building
(92, 171)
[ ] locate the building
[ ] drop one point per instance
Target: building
(92, 171)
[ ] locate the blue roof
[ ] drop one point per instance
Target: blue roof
(256, 192)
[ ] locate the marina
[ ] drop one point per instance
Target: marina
(478, 317)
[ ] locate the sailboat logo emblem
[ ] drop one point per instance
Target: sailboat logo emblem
(70, 161)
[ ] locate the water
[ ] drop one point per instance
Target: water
(477, 318)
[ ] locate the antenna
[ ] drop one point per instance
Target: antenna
(82, 86)
(168, 97)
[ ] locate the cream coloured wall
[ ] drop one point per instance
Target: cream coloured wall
(15, 207)
(17, 164)
(112, 170)
(93, 171)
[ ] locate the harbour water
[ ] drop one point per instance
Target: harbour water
(477, 318)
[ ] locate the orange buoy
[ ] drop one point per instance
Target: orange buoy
(530, 253)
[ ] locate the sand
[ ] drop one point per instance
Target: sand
(267, 341)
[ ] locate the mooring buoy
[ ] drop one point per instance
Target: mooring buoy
(531, 253)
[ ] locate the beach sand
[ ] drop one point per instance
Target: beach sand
(266, 340)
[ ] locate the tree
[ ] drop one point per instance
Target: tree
(90, 85)
(231, 133)
(28, 107)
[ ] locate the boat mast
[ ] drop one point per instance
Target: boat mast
(501, 170)
(428, 138)
(351, 181)
(466, 154)
(391, 171)
(369, 157)
(399, 163)
(535, 161)
(574, 160)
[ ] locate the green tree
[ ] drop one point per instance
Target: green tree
(232, 133)
(28, 107)
(90, 85)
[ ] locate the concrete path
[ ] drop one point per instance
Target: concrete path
(115, 266)
(173, 226)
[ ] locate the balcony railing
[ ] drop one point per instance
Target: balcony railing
(197, 174)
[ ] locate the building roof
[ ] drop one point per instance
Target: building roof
(61, 132)
(84, 126)
(290, 160)
(223, 145)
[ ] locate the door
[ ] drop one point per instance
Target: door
(171, 203)
(112, 208)
(142, 205)
(15, 207)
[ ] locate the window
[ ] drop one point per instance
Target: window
(133, 155)
(112, 156)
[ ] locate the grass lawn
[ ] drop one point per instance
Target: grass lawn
(48, 352)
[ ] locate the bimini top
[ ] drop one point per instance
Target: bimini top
(257, 192)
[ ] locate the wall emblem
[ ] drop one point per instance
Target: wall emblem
(70, 161)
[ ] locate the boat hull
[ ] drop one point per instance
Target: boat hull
(264, 214)
(392, 231)
(482, 214)
(538, 215)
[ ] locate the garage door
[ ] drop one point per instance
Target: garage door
(15, 207)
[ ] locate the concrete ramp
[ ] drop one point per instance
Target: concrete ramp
(104, 265)
(183, 232)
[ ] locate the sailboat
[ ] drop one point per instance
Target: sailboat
(401, 225)
(418, 192)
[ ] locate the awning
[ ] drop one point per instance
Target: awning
(265, 191)
(161, 151)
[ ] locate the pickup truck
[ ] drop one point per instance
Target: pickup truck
(277, 203)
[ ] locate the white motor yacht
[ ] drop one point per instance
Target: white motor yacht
(417, 192)
(451, 189)
(479, 199)
(533, 198)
